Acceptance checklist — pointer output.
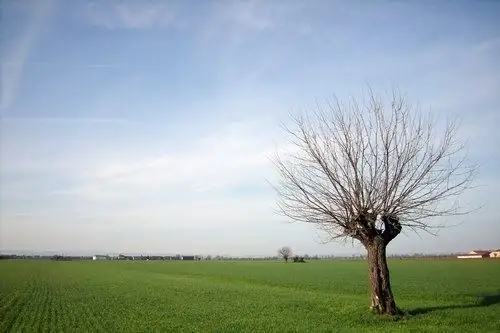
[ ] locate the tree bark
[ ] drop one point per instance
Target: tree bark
(382, 299)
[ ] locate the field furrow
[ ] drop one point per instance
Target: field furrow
(321, 296)
(71, 309)
(51, 312)
(9, 303)
(32, 313)
(58, 314)
(88, 312)
(11, 312)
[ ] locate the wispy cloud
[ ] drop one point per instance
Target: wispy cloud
(119, 135)
(68, 119)
(129, 14)
(13, 62)
(233, 157)
(101, 66)
(251, 15)
(231, 24)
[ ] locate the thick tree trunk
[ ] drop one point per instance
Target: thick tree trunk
(382, 299)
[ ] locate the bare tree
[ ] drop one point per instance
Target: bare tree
(364, 171)
(285, 252)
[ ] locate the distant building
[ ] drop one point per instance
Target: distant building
(475, 254)
(100, 257)
(124, 257)
(495, 254)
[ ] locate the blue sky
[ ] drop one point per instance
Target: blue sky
(145, 126)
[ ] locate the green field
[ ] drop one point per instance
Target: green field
(250, 296)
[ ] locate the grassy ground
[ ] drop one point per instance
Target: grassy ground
(320, 296)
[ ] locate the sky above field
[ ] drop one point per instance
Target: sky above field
(146, 126)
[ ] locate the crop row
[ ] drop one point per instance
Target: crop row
(238, 297)
(38, 304)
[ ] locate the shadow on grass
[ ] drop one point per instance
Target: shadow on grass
(484, 301)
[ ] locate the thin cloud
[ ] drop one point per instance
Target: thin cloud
(14, 62)
(101, 66)
(218, 162)
(129, 15)
(246, 14)
(62, 120)
(173, 166)
(235, 21)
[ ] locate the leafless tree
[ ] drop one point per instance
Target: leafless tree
(366, 170)
(285, 252)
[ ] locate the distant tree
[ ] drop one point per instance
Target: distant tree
(366, 170)
(298, 259)
(285, 252)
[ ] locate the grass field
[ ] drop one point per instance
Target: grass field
(320, 296)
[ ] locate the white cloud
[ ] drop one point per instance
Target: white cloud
(238, 155)
(129, 15)
(246, 14)
(163, 174)
(13, 62)
(91, 120)
(232, 23)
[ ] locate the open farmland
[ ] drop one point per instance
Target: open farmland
(106, 296)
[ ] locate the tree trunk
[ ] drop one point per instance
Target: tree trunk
(382, 299)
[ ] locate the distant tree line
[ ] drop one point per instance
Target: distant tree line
(42, 257)
(222, 258)
(298, 259)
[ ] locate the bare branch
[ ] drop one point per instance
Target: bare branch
(285, 252)
(365, 163)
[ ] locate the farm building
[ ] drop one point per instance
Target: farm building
(124, 257)
(495, 254)
(100, 257)
(475, 254)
